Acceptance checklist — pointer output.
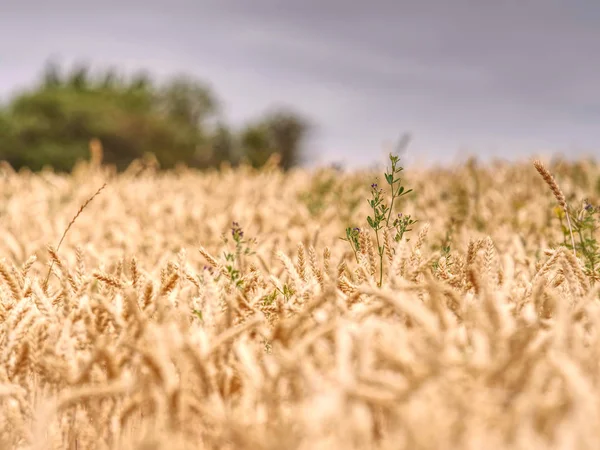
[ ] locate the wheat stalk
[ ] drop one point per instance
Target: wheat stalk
(558, 194)
(81, 208)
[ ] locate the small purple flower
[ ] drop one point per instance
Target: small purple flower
(236, 231)
(374, 186)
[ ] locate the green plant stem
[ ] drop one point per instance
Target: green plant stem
(355, 254)
(586, 252)
(571, 232)
(379, 250)
(387, 222)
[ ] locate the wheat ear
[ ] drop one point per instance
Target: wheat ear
(558, 194)
(81, 208)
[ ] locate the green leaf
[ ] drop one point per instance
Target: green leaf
(198, 314)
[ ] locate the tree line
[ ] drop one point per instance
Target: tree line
(179, 121)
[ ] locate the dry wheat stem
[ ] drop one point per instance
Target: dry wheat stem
(560, 197)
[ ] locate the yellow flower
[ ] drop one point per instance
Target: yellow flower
(560, 213)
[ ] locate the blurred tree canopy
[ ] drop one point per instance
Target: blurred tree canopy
(179, 121)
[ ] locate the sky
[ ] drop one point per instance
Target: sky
(496, 79)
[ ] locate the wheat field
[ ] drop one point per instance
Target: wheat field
(147, 328)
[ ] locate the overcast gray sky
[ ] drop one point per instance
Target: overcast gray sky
(497, 78)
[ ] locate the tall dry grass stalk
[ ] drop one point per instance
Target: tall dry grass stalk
(141, 339)
(79, 211)
(558, 194)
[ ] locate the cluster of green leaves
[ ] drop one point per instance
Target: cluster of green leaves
(234, 261)
(352, 237)
(287, 292)
(382, 213)
(178, 121)
(445, 246)
(584, 224)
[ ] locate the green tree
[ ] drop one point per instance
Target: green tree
(188, 101)
(178, 121)
(225, 146)
(52, 123)
(281, 132)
